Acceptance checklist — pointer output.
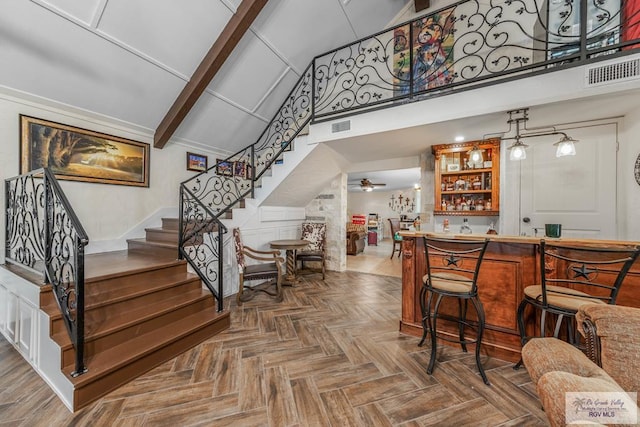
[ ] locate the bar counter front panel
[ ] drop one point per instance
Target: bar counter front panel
(510, 264)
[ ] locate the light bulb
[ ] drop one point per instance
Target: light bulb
(518, 153)
(565, 148)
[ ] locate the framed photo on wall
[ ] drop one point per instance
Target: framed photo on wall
(196, 162)
(224, 167)
(240, 169)
(77, 154)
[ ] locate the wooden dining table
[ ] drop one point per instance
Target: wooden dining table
(291, 246)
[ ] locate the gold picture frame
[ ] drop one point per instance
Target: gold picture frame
(78, 154)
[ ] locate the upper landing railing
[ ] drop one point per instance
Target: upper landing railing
(465, 45)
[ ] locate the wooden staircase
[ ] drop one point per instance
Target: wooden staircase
(142, 308)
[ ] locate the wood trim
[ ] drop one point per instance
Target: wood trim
(208, 68)
(421, 4)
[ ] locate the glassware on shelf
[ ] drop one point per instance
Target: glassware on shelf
(445, 225)
(491, 229)
(465, 229)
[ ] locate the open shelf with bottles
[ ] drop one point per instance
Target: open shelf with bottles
(466, 186)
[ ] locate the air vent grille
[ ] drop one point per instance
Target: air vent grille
(613, 73)
(341, 126)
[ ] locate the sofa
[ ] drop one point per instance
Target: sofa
(611, 363)
(356, 238)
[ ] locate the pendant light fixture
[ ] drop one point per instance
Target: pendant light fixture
(518, 150)
(475, 155)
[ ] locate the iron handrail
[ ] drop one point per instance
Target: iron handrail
(60, 240)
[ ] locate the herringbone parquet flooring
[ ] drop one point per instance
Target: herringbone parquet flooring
(329, 355)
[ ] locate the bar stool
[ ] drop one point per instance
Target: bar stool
(452, 271)
(572, 276)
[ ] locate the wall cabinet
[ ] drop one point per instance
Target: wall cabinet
(464, 186)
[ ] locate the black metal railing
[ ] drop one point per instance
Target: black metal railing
(465, 45)
(45, 235)
(469, 43)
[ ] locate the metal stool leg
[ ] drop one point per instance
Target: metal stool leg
(425, 313)
(480, 310)
(432, 331)
(462, 317)
(523, 338)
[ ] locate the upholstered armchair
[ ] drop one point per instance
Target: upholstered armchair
(316, 234)
(356, 238)
(612, 335)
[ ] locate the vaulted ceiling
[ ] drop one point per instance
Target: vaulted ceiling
(129, 60)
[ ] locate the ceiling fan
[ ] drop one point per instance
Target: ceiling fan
(366, 185)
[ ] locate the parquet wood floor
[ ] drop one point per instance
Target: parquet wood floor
(329, 355)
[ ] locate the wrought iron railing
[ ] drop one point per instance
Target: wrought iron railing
(208, 196)
(45, 235)
(468, 44)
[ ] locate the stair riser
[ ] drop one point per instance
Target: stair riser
(170, 224)
(141, 279)
(140, 247)
(96, 389)
(95, 345)
(95, 315)
(162, 236)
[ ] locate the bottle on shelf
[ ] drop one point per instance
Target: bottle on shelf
(491, 229)
(477, 183)
(460, 183)
(465, 229)
(487, 205)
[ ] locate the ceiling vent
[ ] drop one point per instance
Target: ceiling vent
(341, 126)
(617, 72)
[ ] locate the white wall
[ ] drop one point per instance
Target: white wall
(628, 189)
(107, 212)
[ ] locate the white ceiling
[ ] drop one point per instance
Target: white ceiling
(130, 59)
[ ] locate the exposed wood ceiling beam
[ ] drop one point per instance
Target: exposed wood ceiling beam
(210, 65)
(421, 4)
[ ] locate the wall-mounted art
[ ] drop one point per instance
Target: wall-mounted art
(196, 162)
(224, 167)
(78, 154)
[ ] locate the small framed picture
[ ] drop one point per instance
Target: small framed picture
(196, 162)
(240, 169)
(454, 167)
(224, 167)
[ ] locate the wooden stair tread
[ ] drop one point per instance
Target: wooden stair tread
(161, 230)
(109, 265)
(127, 352)
(100, 297)
(144, 241)
(149, 311)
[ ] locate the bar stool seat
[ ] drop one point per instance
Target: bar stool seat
(452, 271)
(565, 298)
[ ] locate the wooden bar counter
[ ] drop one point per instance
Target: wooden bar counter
(510, 264)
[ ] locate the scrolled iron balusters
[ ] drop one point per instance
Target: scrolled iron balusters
(25, 220)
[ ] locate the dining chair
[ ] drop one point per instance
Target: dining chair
(571, 276)
(452, 272)
(269, 270)
(395, 237)
(316, 234)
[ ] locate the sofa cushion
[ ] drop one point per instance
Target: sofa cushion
(618, 331)
(544, 355)
(553, 386)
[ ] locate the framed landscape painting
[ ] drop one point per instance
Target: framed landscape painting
(196, 162)
(78, 154)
